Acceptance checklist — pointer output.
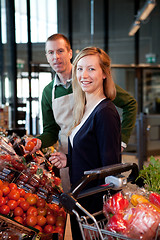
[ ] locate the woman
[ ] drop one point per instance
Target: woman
(95, 138)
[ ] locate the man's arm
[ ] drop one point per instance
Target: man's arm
(50, 127)
(129, 106)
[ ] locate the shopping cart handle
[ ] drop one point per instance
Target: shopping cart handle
(100, 173)
(94, 190)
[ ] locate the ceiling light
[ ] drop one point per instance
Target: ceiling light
(146, 10)
(142, 15)
(134, 28)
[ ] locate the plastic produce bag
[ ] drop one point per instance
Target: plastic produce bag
(142, 222)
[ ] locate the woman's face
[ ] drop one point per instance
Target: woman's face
(89, 74)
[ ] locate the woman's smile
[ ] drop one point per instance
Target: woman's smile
(89, 74)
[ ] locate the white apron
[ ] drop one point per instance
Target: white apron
(63, 114)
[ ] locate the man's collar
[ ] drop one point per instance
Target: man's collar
(57, 82)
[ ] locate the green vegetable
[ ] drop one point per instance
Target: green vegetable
(151, 175)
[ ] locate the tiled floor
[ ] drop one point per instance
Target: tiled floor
(125, 159)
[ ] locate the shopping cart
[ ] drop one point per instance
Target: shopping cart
(92, 226)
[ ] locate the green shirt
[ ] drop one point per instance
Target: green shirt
(51, 129)
(129, 106)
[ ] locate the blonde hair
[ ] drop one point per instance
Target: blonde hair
(108, 85)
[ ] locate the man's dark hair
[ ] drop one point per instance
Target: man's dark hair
(60, 36)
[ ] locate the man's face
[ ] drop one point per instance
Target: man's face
(58, 55)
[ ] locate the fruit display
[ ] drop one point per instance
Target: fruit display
(31, 171)
(30, 210)
(29, 188)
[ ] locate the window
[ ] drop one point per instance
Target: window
(3, 22)
(43, 20)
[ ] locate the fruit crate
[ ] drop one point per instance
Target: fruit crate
(10, 229)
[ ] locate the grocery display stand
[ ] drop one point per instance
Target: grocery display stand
(32, 175)
(92, 226)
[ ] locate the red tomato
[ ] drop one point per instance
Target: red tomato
(59, 230)
(57, 181)
(5, 183)
(32, 200)
(18, 165)
(54, 207)
(51, 219)
(21, 167)
(24, 205)
(20, 200)
(18, 211)
(50, 211)
(41, 203)
(32, 211)
(33, 169)
(1, 193)
(41, 220)
(4, 209)
(34, 181)
(10, 176)
(48, 229)
(27, 195)
(12, 204)
(1, 183)
(29, 146)
(19, 219)
(42, 181)
(42, 211)
(31, 220)
(24, 177)
(60, 222)
(14, 194)
(6, 157)
(6, 199)
(5, 189)
(39, 228)
(22, 192)
(35, 195)
(34, 140)
(62, 213)
(12, 186)
(24, 216)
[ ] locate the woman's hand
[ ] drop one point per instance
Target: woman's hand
(58, 159)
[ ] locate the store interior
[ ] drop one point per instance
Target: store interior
(127, 30)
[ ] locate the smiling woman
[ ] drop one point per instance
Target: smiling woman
(95, 138)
